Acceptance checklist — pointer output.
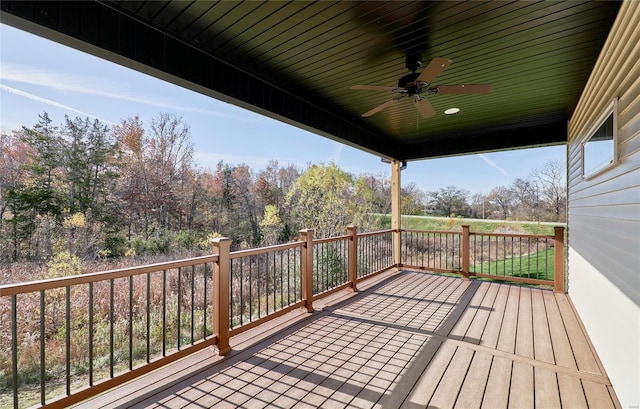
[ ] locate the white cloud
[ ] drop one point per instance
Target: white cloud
(337, 154)
(50, 102)
(70, 83)
(494, 165)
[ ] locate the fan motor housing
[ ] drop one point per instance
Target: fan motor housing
(408, 82)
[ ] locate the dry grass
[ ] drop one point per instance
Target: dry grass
(108, 325)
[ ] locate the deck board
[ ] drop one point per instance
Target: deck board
(472, 390)
(452, 380)
(494, 322)
(524, 332)
(542, 346)
(412, 340)
(546, 388)
(497, 390)
(563, 354)
(521, 392)
(476, 329)
(582, 351)
(507, 337)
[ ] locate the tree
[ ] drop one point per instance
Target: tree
(526, 199)
(42, 199)
(133, 187)
(553, 187)
(170, 158)
(271, 226)
(16, 223)
(501, 200)
(89, 153)
(411, 200)
(449, 201)
(156, 178)
(478, 205)
(242, 187)
(318, 200)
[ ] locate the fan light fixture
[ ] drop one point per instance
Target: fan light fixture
(452, 111)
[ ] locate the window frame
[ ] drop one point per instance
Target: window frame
(611, 110)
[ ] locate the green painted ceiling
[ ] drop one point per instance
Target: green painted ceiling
(296, 61)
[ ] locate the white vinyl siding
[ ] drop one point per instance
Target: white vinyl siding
(604, 211)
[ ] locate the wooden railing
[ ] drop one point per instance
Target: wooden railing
(523, 258)
(106, 328)
(103, 329)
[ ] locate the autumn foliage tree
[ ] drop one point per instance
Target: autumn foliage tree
(89, 190)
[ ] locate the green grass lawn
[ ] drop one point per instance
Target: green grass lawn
(538, 265)
(476, 225)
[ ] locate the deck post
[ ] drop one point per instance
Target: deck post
(465, 252)
(396, 211)
(558, 251)
(353, 256)
(221, 272)
(306, 235)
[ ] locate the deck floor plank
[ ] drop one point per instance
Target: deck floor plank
(543, 348)
(507, 338)
(496, 393)
(585, 358)
(563, 354)
(597, 395)
(467, 317)
(411, 374)
(452, 380)
(491, 332)
(546, 389)
(413, 340)
(473, 387)
(447, 315)
(426, 385)
(524, 335)
(476, 329)
(522, 386)
(571, 392)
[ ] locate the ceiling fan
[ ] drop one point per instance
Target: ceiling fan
(417, 85)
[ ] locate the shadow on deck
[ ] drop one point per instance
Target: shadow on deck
(410, 339)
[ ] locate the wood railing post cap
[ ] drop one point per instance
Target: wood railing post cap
(220, 240)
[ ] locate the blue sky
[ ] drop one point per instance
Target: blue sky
(38, 75)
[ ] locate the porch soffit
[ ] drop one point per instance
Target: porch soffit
(296, 61)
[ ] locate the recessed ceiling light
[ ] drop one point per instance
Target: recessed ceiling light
(452, 111)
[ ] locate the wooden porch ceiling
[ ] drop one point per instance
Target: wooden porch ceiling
(411, 340)
(296, 61)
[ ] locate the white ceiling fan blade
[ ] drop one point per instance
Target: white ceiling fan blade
(380, 107)
(424, 107)
(435, 68)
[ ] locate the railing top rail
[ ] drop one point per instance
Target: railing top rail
(473, 233)
(431, 231)
(375, 233)
(61, 282)
(330, 239)
(515, 235)
(263, 250)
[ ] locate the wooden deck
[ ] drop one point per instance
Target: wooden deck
(411, 340)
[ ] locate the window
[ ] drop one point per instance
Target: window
(599, 148)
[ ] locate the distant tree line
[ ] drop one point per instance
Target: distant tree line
(542, 196)
(86, 190)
